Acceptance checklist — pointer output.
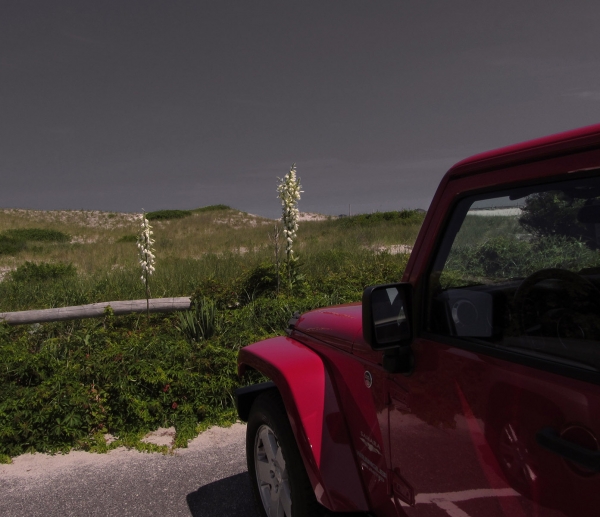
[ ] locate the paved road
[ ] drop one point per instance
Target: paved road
(208, 479)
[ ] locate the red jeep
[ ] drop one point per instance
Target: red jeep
(469, 389)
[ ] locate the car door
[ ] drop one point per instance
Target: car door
(501, 413)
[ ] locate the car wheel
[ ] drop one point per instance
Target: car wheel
(279, 481)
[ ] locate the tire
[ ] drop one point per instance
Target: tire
(279, 481)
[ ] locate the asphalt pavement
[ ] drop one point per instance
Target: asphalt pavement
(208, 479)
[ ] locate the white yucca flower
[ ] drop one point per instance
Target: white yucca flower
(146, 253)
(289, 193)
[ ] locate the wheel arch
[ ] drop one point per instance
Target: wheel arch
(319, 426)
(244, 397)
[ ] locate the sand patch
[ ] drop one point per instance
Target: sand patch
(162, 436)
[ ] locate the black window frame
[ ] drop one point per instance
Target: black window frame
(442, 246)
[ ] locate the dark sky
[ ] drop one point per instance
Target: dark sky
(124, 105)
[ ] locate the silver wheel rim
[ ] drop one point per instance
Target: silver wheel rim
(271, 474)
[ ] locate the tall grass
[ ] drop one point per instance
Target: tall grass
(222, 245)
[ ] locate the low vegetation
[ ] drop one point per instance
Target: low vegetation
(211, 208)
(37, 234)
(10, 245)
(501, 258)
(15, 240)
(65, 384)
(165, 215)
(408, 217)
(32, 272)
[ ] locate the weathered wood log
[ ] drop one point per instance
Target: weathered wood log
(95, 310)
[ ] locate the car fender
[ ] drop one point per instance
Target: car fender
(320, 429)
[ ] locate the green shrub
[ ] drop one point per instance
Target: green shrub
(260, 280)
(64, 384)
(30, 271)
(212, 208)
(403, 216)
(164, 215)
(223, 294)
(37, 234)
(552, 213)
(10, 245)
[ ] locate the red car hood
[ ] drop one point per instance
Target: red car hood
(339, 326)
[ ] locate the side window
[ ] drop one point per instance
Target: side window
(520, 269)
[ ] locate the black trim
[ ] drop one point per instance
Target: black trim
(244, 397)
(549, 439)
(551, 365)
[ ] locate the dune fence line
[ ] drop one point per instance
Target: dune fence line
(95, 310)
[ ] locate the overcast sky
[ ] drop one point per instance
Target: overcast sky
(123, 105)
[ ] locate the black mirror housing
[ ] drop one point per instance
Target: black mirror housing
(385, 320)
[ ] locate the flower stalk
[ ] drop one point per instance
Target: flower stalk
(289, 190)
(147, 257)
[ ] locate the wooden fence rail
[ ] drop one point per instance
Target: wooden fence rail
(95, 310)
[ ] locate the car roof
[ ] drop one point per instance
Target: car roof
(546, 147)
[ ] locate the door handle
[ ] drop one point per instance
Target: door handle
(549, 439)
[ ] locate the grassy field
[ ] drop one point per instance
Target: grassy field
(66, 384)
(217, 244)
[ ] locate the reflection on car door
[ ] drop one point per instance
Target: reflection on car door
(463, 436)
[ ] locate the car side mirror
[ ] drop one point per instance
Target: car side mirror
(384, 315)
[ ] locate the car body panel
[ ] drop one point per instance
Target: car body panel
(338, 326)
(317, 422)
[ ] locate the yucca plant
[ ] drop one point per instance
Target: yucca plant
(201, 322)
(289, 193)
(147, 258)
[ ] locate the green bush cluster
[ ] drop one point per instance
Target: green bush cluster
(32, 272)
(552, 213)
(37, 234)
(164, 215)
(404, 216)
(64, 383)
(211, 208)
(10, 245)
(15, 240)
